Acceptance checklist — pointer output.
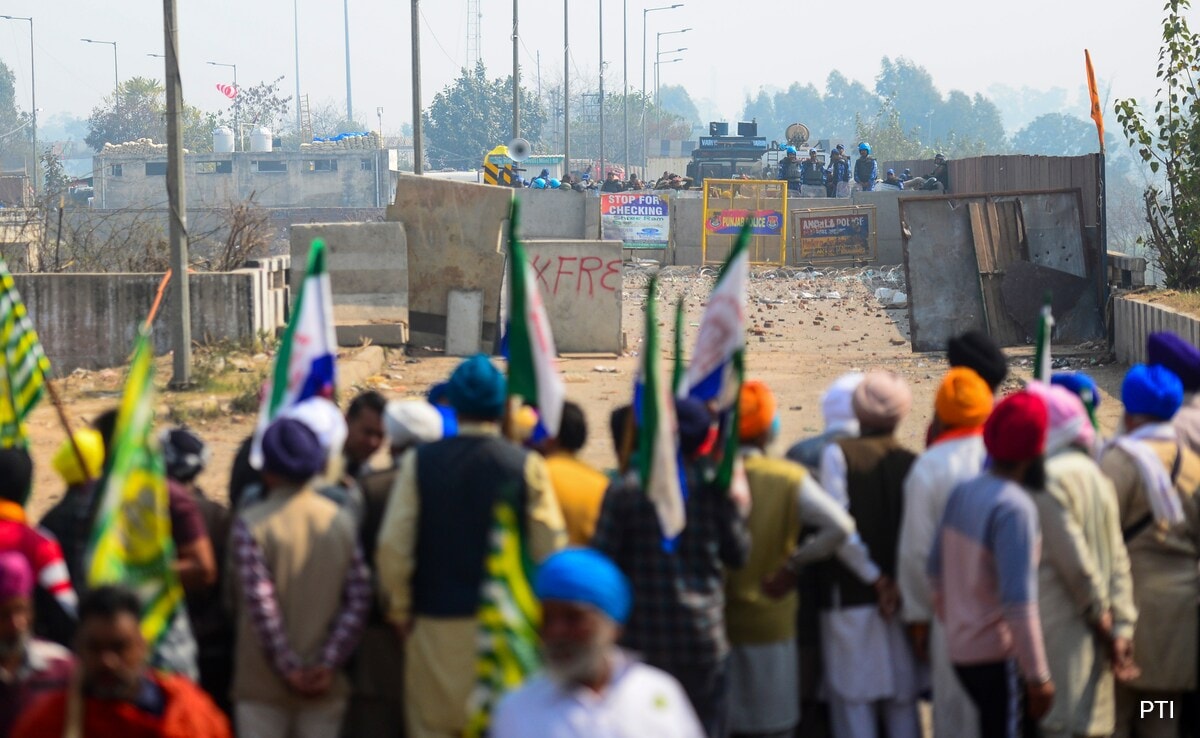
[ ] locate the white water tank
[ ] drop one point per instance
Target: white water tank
(260, 140)
(223, 141)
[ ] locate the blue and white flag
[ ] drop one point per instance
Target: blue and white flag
(306, 365)
(715, 373)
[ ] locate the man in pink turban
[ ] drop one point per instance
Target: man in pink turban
(29, 667)
(1085, 593)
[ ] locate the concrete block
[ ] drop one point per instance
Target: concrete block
(367, 265)
(464, 322)
(453, 231)
(559, 214)
(581, 286)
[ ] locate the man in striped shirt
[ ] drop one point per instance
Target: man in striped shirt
(983, 568)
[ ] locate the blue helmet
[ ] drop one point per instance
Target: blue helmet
(554, 183)
(864, 146)
(790, 149)
(539, 184)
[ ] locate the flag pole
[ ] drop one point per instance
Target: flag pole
(56, 400)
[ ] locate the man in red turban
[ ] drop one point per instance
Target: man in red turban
(984, 567)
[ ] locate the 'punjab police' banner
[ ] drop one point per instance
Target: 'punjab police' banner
(640, 220)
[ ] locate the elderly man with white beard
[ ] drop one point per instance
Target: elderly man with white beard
(591, 687)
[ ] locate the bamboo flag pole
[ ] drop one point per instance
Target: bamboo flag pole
(56, 400)
(158, 298)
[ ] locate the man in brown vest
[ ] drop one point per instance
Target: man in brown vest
(870, 670)
(376, 671)
(302, 595)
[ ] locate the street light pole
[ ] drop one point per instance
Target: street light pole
(566, 91)
(181, 323)
(600, 6)
(237, 100)
(625, 76)
(296, 43)
(116, 74)
(33, 99)
(657, 73)
(349, 97)
(418, 152)
(516, 74)
(646, 12)
(658, 53)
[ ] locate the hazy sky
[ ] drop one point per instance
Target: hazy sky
(734, 47)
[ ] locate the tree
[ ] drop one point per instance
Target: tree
(675, 99)
(844, 103)
(16, 139)
(260, 105)
(54, 178)
(761, 108)
(797, 104)
(911, 89)
(329, 119)
(472, 115)
(1168, 143)
(1056, 134)
(138, 110)
(585, 128)
(887, 137)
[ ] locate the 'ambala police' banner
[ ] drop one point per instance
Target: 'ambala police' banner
(641, 221)
(833, 236)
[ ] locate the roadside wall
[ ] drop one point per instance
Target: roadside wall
(581, 284)
(89, 321)
(1134, 320)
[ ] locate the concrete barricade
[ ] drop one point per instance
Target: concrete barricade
(453, 231)
(581, 285)
(89, 321)
(556, 214)
(368, 273)
(1134, 320)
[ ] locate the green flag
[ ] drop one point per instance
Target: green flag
(131, 540)
(1041, 363)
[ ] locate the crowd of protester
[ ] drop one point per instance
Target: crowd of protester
(1024, 574)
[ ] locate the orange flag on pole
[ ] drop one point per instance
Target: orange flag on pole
(1094, 93)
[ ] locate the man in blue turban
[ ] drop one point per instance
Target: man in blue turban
(302, 591)
(1156, 479)
(435, 538)
(1182, 358)
(585, 601)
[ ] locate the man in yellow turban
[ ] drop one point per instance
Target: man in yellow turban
(69, 519)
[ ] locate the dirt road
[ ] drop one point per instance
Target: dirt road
(806, 329)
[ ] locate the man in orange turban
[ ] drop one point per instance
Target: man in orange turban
(963, 403)
(762, 625)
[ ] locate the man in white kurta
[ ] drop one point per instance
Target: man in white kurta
(956, 454)
(870, 672)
